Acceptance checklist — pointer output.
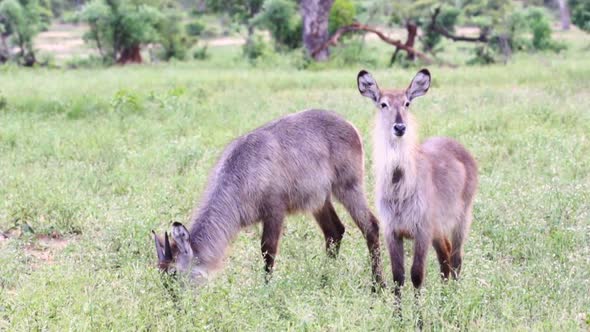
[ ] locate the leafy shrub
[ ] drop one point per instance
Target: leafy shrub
(483, 55)
(354, 52)
(172, 37)
(195, 28)
(201, 53)
(91, 61)
(581, 13)
(280, 17)
(540, 26)
(255, 49)
(342, 13)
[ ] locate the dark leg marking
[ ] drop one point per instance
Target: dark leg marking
(443, 253)
(331, 226)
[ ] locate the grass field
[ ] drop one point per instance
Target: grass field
(92, 160)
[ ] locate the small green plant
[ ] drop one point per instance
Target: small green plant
(3, 102)
(125, 101)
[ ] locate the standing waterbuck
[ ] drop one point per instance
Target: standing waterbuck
(424, 192)
(296, 163)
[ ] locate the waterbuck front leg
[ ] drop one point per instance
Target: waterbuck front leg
(272, 227)
(395, 245)
(331, 226)
(422, 243)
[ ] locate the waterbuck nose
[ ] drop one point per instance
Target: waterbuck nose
(399, 129)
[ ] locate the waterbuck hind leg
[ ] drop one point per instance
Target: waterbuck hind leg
(353, 199)
(443, 253)
(457, 253)
(331, 226)
(272, 228)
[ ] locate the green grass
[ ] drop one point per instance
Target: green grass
(101, 157)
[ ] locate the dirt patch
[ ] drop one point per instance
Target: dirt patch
(41, 247)
(45, 247)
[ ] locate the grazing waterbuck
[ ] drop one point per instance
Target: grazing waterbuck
(297, 163)
(424, 191)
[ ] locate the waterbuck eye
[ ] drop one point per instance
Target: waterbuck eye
(407, 104)
(383, 105)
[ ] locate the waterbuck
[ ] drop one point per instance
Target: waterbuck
(424, 191)
(294, 164)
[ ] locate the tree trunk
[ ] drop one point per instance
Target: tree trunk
(130, 54)
(315, 14)
(4, 50)
(412, 29)
(201, 6)
(564, 13)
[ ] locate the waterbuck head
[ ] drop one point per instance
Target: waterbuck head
(176, 255)
(394, 104)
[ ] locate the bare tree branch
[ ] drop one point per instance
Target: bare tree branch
(434, 26)
(361, 27)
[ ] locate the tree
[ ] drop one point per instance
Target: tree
(314, 14)
(20, 21)
(118, 28)
(564, 14)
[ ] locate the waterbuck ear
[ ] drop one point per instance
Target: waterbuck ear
(182, 238)
(419, 85)
(159, 247)
(368, 86)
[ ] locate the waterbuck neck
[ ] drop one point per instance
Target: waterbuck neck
(395, 158)
(214, 226)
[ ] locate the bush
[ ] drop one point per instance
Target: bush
(482, 55)
(540, 26)
(195, 28)
(255, 49)
(280, 17)
(343, 13)
(201, 53)
(354, 52)
(172, 38)
(581, 13)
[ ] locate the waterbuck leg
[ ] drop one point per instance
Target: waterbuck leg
(331, 226)
(457, 253)
(353, 199)
(272, 228)
(443, 253)
(395, 244)
(421, 246)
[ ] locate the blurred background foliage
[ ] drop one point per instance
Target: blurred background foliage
(130, 31)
